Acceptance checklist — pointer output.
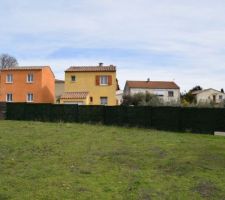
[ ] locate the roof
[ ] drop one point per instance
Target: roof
(110, 68)
(59, 81)
(74, 95)
(24, 68)
(152, 84)
(201, 91)
(27, 68)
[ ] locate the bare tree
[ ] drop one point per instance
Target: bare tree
(7, 61)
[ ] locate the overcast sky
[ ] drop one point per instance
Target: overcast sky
(181, 40)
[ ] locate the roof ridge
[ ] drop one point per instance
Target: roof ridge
(110, 68)
(153, 84)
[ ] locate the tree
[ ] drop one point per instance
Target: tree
(188, 97)
(7, 61)
(196, 88)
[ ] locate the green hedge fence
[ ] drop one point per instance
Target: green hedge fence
(195, 120)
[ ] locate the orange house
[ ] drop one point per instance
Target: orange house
(27, 84)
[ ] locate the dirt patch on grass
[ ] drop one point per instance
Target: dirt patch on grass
(176, 168)
(144, 194)
(158, 152)
(206, 189)
(4, 197)
(121, 157)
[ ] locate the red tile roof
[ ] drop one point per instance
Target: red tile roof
(152, 84)
(109, 68)
(59, 81)
(24, 68)
(74, 95)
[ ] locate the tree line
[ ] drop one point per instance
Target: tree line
(7, 61)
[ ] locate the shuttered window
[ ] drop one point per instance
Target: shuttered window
(104, 80)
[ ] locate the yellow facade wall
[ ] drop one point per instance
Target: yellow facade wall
(86, 82)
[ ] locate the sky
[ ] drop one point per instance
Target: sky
(164, 40)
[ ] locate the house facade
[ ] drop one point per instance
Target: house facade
(90, 85)
(119, 97)
(27, 84)
(165, 90)
(209, 96)
(59, 89)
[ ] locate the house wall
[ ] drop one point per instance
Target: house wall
(48, 86)
(162, 93)
(20, 88)
(43, 86)
(59, 89)
(86, 81)
(119, 97)
(207, 96)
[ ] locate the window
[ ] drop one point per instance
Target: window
(9, 97)
(170, 93)
(30, 97)
(159, 93)
(91, 99)
(30, 78)
(73, 78)
(9, 78)
(220, 97)
(104, 100)
(103, 80)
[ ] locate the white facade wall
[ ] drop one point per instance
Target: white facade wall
(119, 97)
(209, 96)
(162, 93)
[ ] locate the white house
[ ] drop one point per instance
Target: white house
(167, 91)
(119, 97)
(209, 95)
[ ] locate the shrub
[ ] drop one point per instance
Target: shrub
(141, 99)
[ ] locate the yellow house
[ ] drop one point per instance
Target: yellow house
(90, 85)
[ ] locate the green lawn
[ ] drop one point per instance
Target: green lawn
(76, 161)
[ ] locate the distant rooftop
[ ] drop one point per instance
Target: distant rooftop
(99, 68)
(59, 81)
(24, 68)
(152, 84)
(201, 91)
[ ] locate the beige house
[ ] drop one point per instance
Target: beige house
(59, 89)
(119, 97)
(165, 90)
(208, 96)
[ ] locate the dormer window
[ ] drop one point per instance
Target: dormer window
(30, 78)
(9, 78)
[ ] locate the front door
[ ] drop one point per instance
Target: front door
(214, 98)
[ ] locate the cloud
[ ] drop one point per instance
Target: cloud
(164, 39)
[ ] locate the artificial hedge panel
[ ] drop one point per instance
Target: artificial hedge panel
(196, 120)
(165, 118)
(92, 114)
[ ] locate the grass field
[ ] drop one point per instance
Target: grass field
(75, 161)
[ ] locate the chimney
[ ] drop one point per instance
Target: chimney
(100, 64)
(148, 80)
